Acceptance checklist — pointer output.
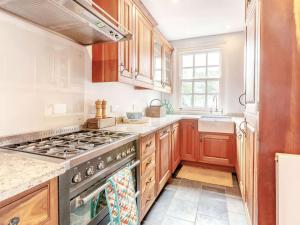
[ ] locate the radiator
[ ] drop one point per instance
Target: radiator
(287, 189)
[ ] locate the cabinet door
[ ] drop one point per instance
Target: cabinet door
(217, 149)
(157, 62)
(249, 169)
(167, 68)
(175, 147)
(34, 207)
(163, 158)
(251, 79)
(125, 47)
(188, 139)
(143, 55)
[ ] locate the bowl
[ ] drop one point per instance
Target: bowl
(134, 115)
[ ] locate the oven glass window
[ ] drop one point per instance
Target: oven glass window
(83, 214)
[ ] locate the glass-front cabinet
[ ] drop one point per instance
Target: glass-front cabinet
(162, 63)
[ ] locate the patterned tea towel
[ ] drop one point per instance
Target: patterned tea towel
(120, 196)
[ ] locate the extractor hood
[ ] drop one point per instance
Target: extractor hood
(80, 20)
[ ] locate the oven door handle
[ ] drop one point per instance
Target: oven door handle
(81, 201)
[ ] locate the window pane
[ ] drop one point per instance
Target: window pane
(187, 61)
(199, 87)
(200, 59)
(200, 72)
(187, 73)
(199, 100)
(186, 101)
(187, 87)
(213, 71)
(211, 101)
(212, 86)
(213, 58)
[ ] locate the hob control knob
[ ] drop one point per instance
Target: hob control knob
(124, 154)
(118, 157)
(77, 178)
(101, 165)
(128, 151)
(89, 171)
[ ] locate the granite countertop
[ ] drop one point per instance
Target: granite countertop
(157, 123)
(19, 173)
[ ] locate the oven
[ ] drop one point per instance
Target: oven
(84, 203)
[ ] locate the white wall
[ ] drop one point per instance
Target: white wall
(232, 82)
(45, 79)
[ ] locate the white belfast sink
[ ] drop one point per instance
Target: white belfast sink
(216, 124)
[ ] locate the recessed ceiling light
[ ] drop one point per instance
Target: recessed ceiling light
(228, 26)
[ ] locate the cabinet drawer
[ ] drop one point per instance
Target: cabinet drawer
(148, 164)
(148, 181)
(148, 145)
(147, 199)
(32, 209)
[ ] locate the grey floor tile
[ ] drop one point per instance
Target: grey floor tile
(237, 219)
(213, 207)
(165, 197)
(183, 209)
(189, 194)
(207, 220)
(173, 184)
(147, 223)
(216, 189)
(175, 221)
(156, 214)
(235, 205)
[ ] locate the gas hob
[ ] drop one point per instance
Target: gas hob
(69, 145)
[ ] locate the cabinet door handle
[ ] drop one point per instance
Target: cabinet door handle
(14, 221)
(122, 68)
(149, 181)
(240, 127)
(163, 133)
(149, 162)
(148, 144)
(240, 100)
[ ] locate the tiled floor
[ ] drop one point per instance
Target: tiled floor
(185, 202)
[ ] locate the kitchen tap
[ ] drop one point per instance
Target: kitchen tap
(216, 110)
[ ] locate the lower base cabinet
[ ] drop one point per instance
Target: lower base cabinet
(163, 157)
(37, 206)
(217, 149)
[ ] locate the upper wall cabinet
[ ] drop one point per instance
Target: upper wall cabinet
(143, 50)
(162, 65)
(114, 61)
(131, 61)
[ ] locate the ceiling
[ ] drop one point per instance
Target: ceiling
(180, 19)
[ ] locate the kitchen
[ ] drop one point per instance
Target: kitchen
(197, 99)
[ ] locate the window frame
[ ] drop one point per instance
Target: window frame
(205, 79)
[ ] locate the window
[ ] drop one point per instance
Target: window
(200, 74)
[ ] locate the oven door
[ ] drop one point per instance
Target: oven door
(90, 207)
(89, 212)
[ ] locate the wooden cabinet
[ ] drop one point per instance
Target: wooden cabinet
(34, 207)
(250, 143)
(143, 50)
(251, 65)
(176, 158)
(217, 149)
(189, 135)
(148, 173)
(163, 152)
(114, 61)
(131, 61)
(162, 67)
(126, 47)
(240, 165)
